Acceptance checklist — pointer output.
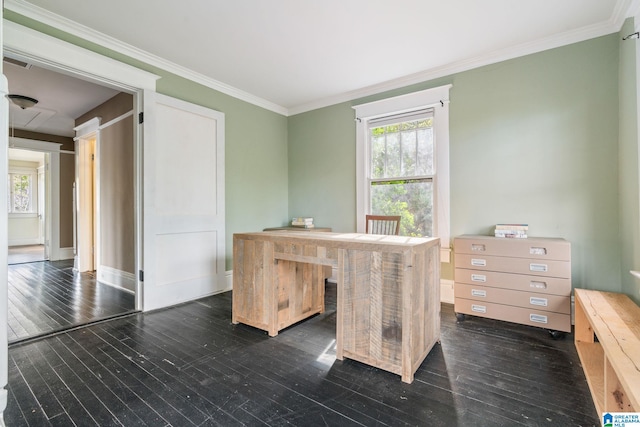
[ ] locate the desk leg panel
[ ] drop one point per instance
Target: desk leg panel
(370, 312)
(425, 306)
(251, 273)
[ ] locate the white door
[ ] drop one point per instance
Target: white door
(183, 201)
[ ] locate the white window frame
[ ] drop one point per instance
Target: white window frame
(437, 98)
(33, 193)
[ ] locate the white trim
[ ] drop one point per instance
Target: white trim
(65, 253)
(32, 46)
(87, 128)
(59, 22)
(622, 9)
(446, 291)
(438, 97)
(34, 145)
(4, 238)
(116, 120)
(445, 255)
(558, 40)
(25, 242)
(228, 279)
(117, 278)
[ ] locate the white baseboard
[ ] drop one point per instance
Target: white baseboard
(25, 242)
(446, 291)
(228, 277)
(117, 278)
(61, 253)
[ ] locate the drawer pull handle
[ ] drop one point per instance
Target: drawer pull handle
(478, 308)
(542, 302)
(538, 318)
(478, 262)
(537, 251)
(538, 267)
(478, 293)
(477, 247)
(478, 278)
(538, 285)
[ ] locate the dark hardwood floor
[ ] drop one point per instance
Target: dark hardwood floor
(45, 297)
(188, 365)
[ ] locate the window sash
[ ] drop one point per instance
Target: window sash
(401, 153)
(29, 193)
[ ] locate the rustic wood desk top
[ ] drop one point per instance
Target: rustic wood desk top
(344, 240)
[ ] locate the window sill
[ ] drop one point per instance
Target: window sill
(22, 215)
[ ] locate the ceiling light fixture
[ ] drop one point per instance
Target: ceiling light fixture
(22, 101)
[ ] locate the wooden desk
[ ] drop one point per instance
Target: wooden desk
(388, 307)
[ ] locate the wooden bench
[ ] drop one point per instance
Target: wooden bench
(607, 338)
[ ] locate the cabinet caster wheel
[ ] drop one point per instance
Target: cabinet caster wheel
(460, 317)
(557, 335)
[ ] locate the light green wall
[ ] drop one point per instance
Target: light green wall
(628, 160)
(322, 158)
(255, 150)
(533, 140)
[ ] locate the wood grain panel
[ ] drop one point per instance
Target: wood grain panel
(384, 283)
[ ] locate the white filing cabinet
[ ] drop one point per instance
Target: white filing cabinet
(526, 281)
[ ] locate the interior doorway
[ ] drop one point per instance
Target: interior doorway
(85, 205)
(29, 195)
(52, 294)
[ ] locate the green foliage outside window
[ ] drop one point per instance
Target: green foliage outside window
(20, 193)
(402, 166)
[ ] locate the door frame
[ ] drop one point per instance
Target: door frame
(52, 190)
(31, 46)
(87, 221)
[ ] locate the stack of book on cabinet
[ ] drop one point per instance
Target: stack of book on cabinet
(302, 222)
(517, 231)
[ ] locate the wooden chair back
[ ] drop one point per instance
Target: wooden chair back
(382, 224)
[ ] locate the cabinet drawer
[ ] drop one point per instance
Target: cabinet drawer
(534, 267)
(519, 282)
(524, 316)
(543, 302)
(536, 248)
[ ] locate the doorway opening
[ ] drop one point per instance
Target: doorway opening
(85, 205)
(67, 284)
(28, 220)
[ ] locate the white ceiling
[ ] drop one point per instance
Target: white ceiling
(295, 55)
(61, 99)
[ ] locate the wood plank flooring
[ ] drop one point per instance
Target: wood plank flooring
(189, 366)
(45, 297)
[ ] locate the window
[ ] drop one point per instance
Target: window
(22, 192)
(403, 162)
(402, 170)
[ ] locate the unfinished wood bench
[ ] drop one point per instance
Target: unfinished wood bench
(607, 338)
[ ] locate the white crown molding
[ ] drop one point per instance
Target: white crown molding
(524, 49)
(61, 23)
(622, 10)
(32, 46)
